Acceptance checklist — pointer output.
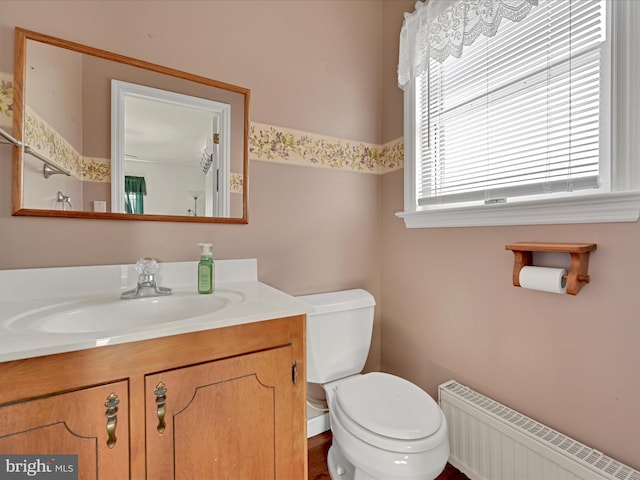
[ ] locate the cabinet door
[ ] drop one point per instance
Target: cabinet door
(73, 423)
(224, 420)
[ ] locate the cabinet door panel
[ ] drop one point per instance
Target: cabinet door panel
(71, 423)
(224, 420)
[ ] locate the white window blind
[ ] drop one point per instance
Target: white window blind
(519, 113)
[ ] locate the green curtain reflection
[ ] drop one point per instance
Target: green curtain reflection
(134, 189)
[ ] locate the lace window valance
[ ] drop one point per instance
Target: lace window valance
(440, 28)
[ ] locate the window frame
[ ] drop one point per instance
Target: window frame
(620, 204)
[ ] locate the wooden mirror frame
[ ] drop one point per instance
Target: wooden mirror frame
(21, 37)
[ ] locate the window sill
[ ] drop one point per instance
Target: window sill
(601, 208)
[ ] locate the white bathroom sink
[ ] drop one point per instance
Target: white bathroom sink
(46, 311)
(101, 314)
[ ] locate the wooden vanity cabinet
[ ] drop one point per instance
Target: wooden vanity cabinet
(222, 404)
(72, 423)
(248, 398)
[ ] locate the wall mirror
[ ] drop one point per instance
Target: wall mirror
(107, 136)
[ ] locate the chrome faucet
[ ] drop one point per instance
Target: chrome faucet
(147, 286)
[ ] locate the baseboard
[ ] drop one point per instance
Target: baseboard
(318, 425)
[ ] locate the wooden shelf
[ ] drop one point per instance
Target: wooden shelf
(578, 272)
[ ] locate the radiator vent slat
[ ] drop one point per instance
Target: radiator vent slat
(515, 436)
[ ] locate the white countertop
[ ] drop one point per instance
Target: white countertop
(29, 292)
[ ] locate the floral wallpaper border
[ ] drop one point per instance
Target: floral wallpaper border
(6, 100)
(237, 182)
(45, 140)
(283, 145)
(40, 136)
(266, 143)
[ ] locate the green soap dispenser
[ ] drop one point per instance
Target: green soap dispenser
(205, 269)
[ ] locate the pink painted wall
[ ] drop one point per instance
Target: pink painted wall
(309, 66)
(55, 93)
(313, 66)
(449, 311)
(56, 98)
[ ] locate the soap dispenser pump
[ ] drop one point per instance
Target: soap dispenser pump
(205, 269)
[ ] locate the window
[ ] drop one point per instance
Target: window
(508, 114)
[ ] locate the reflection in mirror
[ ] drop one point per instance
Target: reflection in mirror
(175, 145)
(140, 141)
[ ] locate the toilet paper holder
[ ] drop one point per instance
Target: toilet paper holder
(577, 275)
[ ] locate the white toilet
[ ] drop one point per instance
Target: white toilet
(383, 427)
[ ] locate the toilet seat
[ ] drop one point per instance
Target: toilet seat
(388, 412)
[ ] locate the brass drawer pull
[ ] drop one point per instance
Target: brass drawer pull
(112, 419)
(160, 392)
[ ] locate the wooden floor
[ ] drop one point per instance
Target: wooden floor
(319, 446)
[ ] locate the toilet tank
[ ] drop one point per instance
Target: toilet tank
(338, 334)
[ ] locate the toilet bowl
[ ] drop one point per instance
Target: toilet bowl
(384, 427)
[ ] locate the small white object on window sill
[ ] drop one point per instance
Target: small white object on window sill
(601, 208)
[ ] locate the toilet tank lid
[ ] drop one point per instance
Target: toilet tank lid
(339, 301)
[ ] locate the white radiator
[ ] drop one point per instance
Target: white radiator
(491, 441)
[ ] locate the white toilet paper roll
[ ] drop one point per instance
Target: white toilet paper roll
(544, 279)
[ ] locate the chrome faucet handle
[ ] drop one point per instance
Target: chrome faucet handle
(146, 287)
(146, 266)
